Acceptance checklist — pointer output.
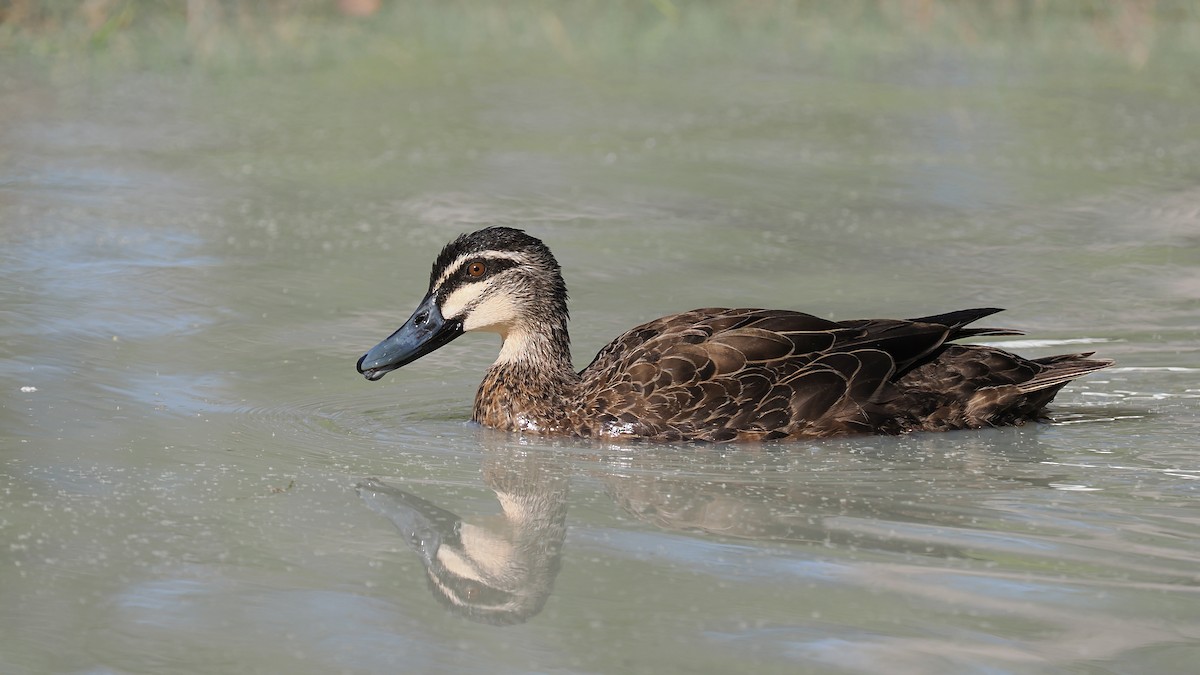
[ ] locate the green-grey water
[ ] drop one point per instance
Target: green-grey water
(195, 251)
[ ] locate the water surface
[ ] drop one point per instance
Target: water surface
(190, 266)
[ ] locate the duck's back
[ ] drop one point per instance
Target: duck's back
(723, 374)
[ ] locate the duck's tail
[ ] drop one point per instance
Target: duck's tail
(1061, 369)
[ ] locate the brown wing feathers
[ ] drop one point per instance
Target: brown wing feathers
(755, 372)
(719, 374)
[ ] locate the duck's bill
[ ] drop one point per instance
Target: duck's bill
(424, 332)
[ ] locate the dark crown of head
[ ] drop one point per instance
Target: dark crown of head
(491, 239)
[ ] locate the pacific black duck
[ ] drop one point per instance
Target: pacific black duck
(712, 374)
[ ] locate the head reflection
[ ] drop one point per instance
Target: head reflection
(493, 570)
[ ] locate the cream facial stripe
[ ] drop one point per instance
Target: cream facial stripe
(453, 267)
(495, 313)
(479, 310)
(462, 298)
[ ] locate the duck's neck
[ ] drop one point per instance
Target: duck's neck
(531, 382)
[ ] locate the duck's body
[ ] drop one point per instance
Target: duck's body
(712, 374)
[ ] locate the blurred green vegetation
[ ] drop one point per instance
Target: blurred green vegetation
(240, 34)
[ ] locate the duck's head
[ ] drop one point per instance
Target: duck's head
(497, 280)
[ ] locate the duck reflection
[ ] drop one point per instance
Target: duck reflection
(493, 570)
(898, 495)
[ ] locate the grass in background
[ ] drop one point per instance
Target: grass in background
(216, 35)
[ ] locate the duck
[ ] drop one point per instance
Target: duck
(713, 374)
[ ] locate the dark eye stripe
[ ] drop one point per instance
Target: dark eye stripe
(491, 266)
(461, 277)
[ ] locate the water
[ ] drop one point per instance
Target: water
(190, 267)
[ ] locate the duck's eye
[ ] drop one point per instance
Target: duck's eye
(476, 269)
